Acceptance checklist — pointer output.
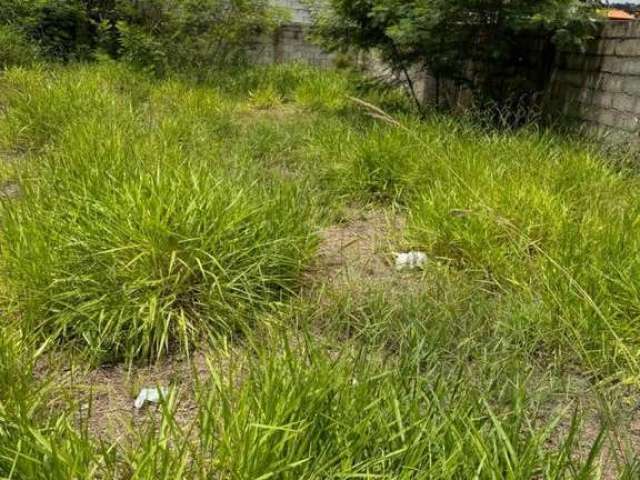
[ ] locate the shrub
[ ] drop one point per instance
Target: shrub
(142, 49)
(15, 48)
(449, 37)
(194, 34)
(153, 34)
(62, 30)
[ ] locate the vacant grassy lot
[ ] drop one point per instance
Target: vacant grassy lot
(234, 241)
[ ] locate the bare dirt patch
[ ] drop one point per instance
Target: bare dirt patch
(612, 418)
(109, 393)
(620, 443)
(105, 396)
(360, 248)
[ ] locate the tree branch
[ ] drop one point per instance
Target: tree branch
(412, 90)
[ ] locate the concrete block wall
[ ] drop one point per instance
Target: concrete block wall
(597, 87)
(600, 87)
(299, 12)
(291, 42)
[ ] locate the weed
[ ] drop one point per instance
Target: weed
(158, 215)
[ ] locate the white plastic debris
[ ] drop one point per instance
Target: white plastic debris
(151, 395)
(410, 260)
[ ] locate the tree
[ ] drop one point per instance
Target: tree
(448, 38)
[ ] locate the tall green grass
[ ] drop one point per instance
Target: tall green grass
(136, 233)
(156, 215)
(34, 442)
(362, 414)
(536, 219)
(293, 409)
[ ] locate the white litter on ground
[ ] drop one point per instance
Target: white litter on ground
(151, 395)
(410, 260)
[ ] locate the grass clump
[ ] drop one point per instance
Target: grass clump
(536, 219)
(132, 239)
(136, 269)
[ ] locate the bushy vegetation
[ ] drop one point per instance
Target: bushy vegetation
(193, 34)
(157, 218)
(468, 42)
(157, 35)
(15, 49)
(59, 30)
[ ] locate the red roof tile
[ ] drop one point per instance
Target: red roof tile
(615, 14)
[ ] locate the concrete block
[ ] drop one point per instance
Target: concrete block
(580, 62)
(594, 114)
(606, 117)
(593, 63)
(631, 85)
(618, 65)
(630, 66)
(287, 44)
(625, 121)
(623, 102)
(593, 81)
(611, 82)
(607, 46)
(611, 118)
(611, 64)
(629, 47)
(601, 99)
(616, 30)
(633, 30)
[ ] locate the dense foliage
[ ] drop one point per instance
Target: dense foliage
(155, 34)
(15, 48)
(450, 38)
(60, 29)
(196, 34)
